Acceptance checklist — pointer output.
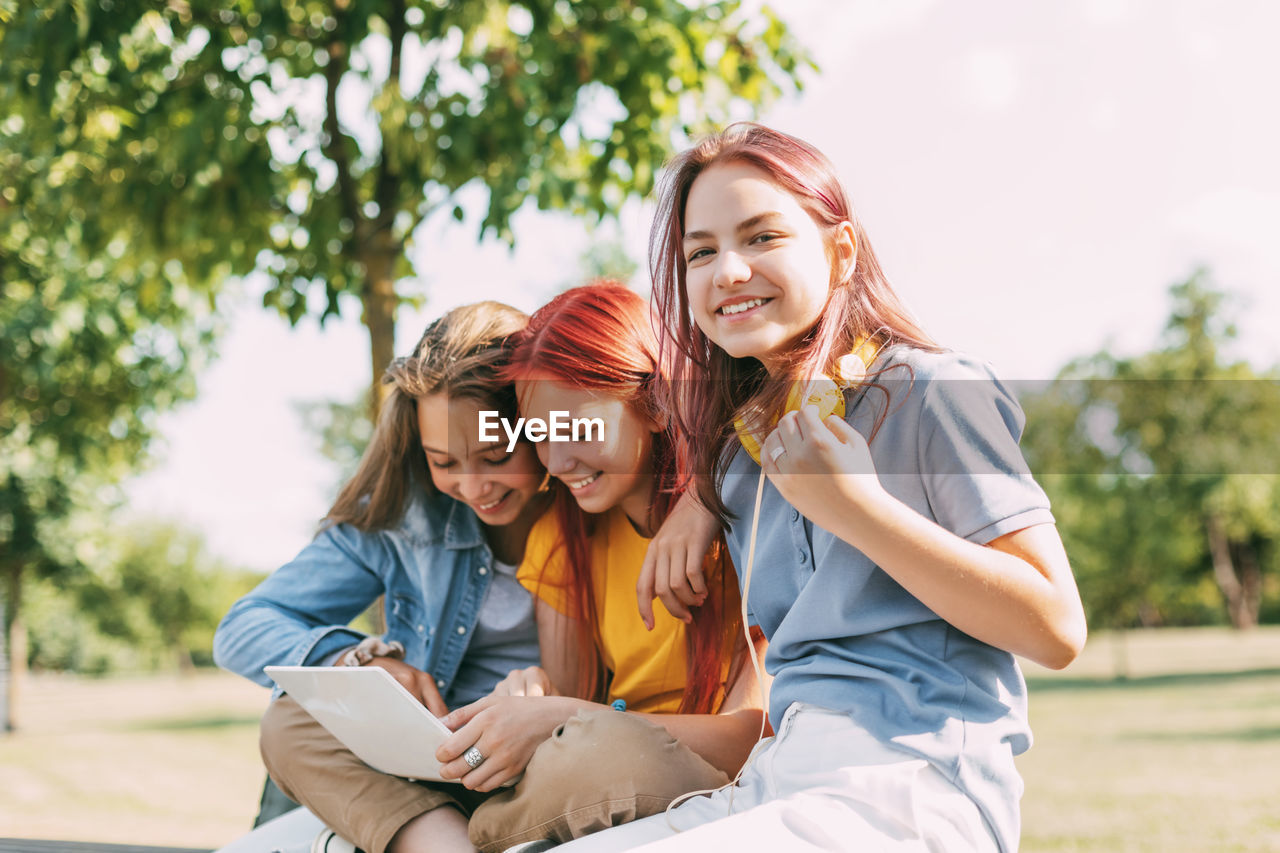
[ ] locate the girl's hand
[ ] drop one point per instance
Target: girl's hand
(672, 568)
(506, 729)
(417, 682)
(822, 468)
(530, 681)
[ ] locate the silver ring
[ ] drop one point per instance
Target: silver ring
(473, 757)
(776, 452)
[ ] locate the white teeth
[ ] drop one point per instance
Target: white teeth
(582, 484)
(741, 306)
(490, 505)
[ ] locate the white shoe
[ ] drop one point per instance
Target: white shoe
(292, 832)
(329, 841)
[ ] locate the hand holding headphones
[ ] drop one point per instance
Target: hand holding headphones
(812, 456)
(819, 464)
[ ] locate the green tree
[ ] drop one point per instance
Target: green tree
(1165, 472)
(91, 350)
(308, 140)
(153, 585)
(605, 257)
(149, 596)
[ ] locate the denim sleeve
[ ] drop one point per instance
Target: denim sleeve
(298, 615)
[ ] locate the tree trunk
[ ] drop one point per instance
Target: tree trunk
(1120, 668)
(4, 666)
(1242, 612)
(17, 668)
(16, 640)
(380, 302)
(379, 298)
(1250, 584)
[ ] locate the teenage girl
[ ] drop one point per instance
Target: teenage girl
(900, 552)
(619, 719)
(436, 522)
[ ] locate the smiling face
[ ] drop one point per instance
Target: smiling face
(601, 475)
(499, 486)
(758, 268)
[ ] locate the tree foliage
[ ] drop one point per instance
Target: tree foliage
(96, 339)
(1164, 472)
(150, 597)
(154, 586)
(308, 140)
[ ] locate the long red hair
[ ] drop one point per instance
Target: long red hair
(600, 338)
(713, 388)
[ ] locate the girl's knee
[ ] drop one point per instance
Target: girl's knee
(599, 748)
(277, 722)
(600, 769)
(289, 738)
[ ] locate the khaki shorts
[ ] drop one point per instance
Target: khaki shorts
(361, 804)
(600, 769)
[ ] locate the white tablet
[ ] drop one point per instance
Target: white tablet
(371, 713)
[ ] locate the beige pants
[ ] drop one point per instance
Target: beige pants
(359, 803)
(600, 769)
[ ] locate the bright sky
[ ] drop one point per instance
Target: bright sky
(1033, 177)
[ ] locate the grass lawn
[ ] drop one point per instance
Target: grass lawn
(1182, 756)
(163, 760)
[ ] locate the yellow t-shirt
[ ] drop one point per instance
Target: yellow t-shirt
(649, 667)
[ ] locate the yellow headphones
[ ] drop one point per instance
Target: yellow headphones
(821, 391)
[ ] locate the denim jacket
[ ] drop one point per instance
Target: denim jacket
(433, 568)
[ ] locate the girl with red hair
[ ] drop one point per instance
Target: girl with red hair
(872, 481)
(690, 706)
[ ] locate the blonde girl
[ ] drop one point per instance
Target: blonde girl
(435, 521)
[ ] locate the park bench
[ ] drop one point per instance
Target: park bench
(30, 845)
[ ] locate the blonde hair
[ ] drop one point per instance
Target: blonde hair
(462, 355)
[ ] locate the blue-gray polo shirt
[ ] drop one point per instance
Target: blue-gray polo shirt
(844, 635)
